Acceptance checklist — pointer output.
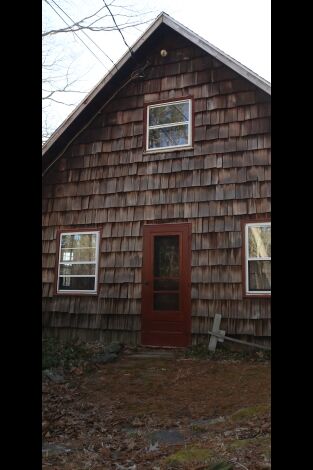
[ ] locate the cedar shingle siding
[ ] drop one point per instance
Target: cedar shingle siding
(105, 181)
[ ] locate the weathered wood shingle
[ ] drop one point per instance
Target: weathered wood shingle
(106, 181)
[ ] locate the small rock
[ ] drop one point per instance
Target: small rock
(76, 371)
(153, 447)
(114, 347)
(54, 376)
(136, 422)
(105, 452)
(166, 437)
(208, 422)
(104, 358)
(45, 425)
(264, 466)
(266, 426)
(54, 449)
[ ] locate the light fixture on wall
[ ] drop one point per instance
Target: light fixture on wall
(163, 52)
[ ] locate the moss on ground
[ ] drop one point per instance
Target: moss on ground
(190, 454)
(249, 412)
(263, 442)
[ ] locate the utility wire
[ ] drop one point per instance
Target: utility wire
(76, 35)
(84, 32)
(130, 50)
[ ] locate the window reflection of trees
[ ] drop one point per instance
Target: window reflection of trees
(165, 114)
(174, 124)
(259, 258)
(77, 264)
(166, 257)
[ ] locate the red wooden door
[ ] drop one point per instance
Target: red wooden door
(166, 285)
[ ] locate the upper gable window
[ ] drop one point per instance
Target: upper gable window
(78, 262)
(169, 125)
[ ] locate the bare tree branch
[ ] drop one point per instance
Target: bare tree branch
(62, 102)
(58, 76)
(79, 27)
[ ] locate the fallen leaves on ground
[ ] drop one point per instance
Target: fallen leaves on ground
(103, 418)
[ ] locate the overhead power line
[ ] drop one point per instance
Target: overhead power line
(84, 32)
(51, 6)
(130, 50)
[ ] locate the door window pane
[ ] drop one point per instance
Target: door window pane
(166, 284)
(166, 302)
(166, 256)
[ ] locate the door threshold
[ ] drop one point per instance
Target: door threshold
(161, 347)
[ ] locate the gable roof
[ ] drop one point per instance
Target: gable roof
(84, 113)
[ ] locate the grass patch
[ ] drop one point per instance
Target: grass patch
(191, 454)
(221, 466)
(262, 442)
(249, 412)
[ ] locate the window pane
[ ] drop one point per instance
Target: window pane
(76, 283)
(168, 136)
(72, 269)
(259, 241)
(166, 256)
(166, 284)
(78, 240)
(166, 302)
(78, 254)
(168, 114)
(259, 275)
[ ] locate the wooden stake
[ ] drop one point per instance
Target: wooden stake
(214, 338)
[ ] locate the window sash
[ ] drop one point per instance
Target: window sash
(254, 258)
(63, 262)
(171, 124)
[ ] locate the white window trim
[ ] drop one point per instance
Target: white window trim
(161, 126)
(252, 258)
(96, 263)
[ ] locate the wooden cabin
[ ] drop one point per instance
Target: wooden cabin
(156, 200)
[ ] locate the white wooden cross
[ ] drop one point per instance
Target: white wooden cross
(215, 330)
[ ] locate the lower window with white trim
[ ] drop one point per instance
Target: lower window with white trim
(258, 258)
(78, 262)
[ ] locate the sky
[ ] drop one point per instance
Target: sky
(240, 28)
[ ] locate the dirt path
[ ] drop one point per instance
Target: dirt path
(159, 413)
